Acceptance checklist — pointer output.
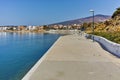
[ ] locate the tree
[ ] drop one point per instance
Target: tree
(85, 25)
(45, 27)
(116, 13)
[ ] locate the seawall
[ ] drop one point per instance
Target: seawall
(73, 57)
(110, 46)
(32, 70)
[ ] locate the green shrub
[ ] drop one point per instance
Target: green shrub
(115, 37)
(116, 13)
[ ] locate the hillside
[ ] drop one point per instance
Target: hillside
(111, 25)
(109, 29)
(98, 18)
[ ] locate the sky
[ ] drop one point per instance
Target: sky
(42, 12)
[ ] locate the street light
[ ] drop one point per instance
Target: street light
(92, 11)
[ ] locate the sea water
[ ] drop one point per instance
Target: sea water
(20, 51)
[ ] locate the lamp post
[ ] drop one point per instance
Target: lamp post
(92, 11)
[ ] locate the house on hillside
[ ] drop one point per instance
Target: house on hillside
(56, 27)
(40, 28)
(22, 28)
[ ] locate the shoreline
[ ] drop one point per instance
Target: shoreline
(24, 31)
(66, 32)
(32, 70)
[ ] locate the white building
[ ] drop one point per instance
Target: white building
(29, 28)
(4, 28)
(34, 27)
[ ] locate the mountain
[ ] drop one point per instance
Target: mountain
(97, 18)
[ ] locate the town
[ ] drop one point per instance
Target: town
(38, 28)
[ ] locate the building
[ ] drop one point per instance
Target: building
(22, 28)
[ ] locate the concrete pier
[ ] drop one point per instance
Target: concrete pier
(73, 57)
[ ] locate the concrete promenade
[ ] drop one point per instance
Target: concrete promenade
(76, 58)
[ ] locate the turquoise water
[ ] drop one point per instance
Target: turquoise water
(19, 52)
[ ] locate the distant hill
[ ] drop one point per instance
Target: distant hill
(97, 18)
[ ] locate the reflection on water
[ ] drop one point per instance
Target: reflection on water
(20, 51)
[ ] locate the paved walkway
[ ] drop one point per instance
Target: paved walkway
(76, 58)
